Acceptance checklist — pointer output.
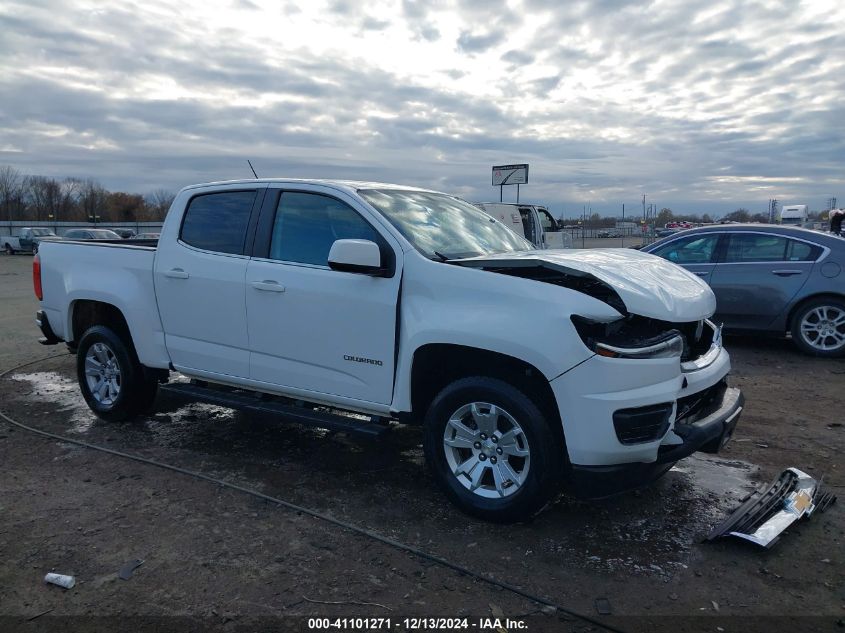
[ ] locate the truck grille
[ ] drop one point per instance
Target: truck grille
(700, 405)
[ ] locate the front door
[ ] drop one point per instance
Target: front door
(312, 328)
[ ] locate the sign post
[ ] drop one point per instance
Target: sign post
(510, 175)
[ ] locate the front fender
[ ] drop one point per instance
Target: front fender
(520, 318)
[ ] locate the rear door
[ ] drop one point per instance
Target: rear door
(312, 328)
(757, 276)
(696, 253)
(199, 282)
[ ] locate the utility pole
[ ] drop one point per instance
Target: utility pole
(773, 210)
(645, 217)
(623, 228)
(583, 226)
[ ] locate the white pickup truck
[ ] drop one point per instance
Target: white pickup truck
(531, 221)
(527, 369)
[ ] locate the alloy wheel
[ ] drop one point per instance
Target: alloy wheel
(823, 328)
(102, 373)
(487, 450)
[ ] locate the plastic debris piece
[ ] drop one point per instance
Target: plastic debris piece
(67, 582)
(603, 606)
(125, 572)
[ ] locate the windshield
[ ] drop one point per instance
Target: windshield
(438, 224)
(41, 232)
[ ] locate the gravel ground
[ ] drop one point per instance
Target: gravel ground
(216, 558)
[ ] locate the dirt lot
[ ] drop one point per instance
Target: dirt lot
(216, 558)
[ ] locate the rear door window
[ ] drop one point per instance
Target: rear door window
(756, 247)
(218, 221)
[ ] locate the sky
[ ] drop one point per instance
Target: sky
(701, 105)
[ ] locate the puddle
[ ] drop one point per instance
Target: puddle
(652, 531)
(63, 392)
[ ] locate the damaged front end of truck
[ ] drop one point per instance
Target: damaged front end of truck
(655, 389)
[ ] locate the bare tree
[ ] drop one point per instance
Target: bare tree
(740, 215)
(11, 190)
(159, 202)
(45, 195)
(92, 199)
(69, 191)
(124, 207)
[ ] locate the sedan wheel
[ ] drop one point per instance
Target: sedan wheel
(819, 328)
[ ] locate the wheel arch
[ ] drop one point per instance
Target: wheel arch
(85, 313)
(435, 365)
(793, 311)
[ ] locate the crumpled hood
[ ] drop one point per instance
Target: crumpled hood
(648, 285)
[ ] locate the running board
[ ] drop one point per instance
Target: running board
(252, 402)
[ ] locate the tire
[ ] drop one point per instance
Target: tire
(9, 250)
(534, 454)
(35, 249)
(104, 358)
(818, 327)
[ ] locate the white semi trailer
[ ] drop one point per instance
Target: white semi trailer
(794, 214)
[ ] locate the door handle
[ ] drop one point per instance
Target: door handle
(176, 273)
(786, 273)
(268, 285)
(701, 273)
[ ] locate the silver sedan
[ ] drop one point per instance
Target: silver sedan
(769, 279)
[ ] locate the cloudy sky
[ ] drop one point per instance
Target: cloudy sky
(703, 105)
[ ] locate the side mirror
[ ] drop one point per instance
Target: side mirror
(356, 256)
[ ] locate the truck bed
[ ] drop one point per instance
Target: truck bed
(116, 272)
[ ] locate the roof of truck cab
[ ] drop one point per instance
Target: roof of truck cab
(344, 185)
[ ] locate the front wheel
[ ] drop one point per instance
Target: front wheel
(492, 450)
(113, 382)
(9, 250)
(818, 327)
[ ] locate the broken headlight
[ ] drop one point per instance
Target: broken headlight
(624, 338)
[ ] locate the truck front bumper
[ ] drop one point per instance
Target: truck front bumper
(707, 431)
(627, 421)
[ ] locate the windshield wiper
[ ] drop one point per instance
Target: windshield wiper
(440, 256)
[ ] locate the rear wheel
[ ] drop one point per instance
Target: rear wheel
(818, 327)
(113, 382)
(491, 450)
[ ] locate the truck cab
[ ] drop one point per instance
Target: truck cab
(531, 221)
